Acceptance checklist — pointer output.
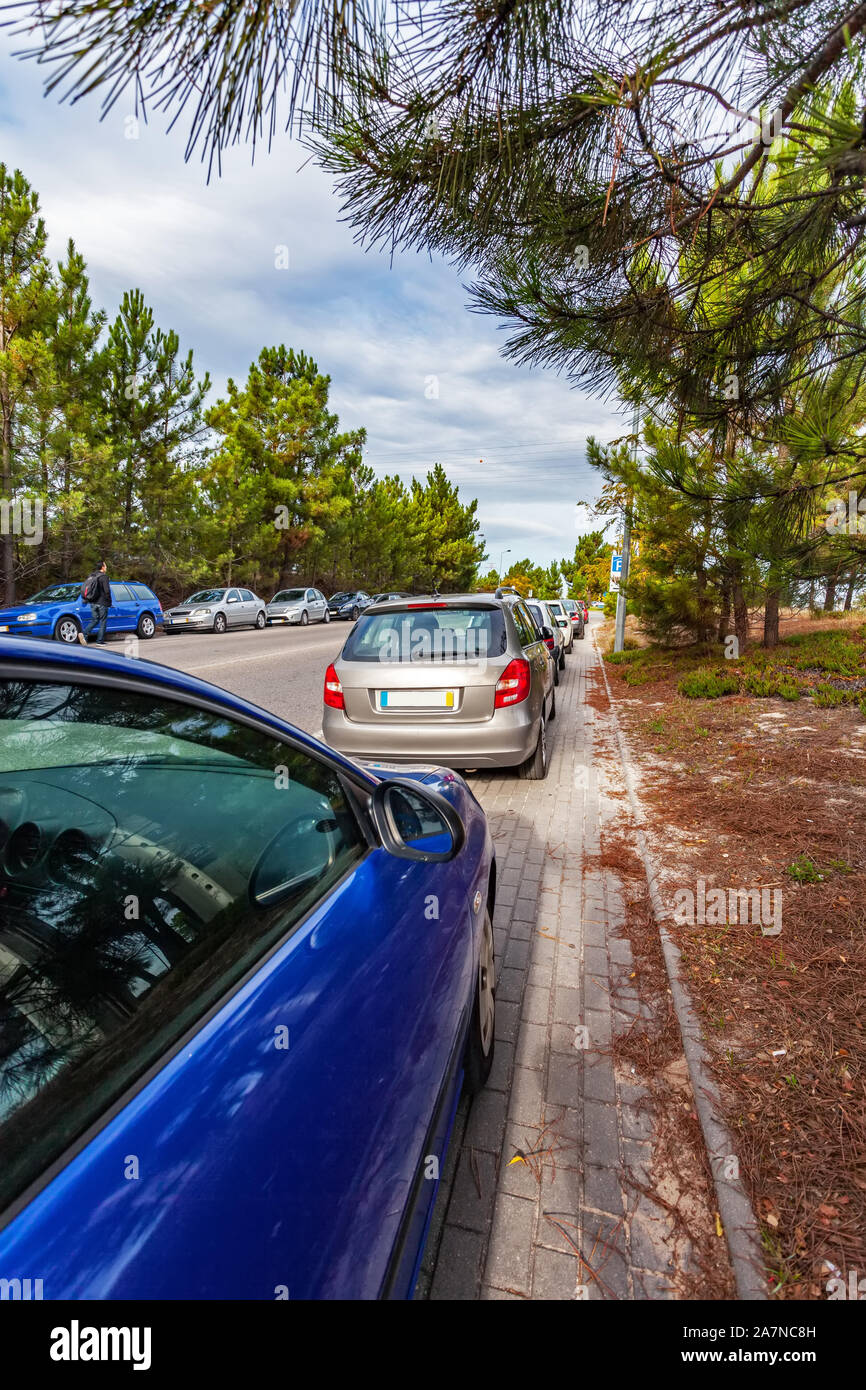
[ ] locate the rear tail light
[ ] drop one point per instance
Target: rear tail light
(513, 685)
(549, 643)
(333, 694)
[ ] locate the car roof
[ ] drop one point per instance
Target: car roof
(448, 600)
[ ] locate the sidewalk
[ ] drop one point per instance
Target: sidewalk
(513, 1229)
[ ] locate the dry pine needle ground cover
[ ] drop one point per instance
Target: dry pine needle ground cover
(768, 791)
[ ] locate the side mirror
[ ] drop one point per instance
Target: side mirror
(414, 822)
(546, 632)
(232, 599)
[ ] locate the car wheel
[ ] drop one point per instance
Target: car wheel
(146, 626)
(67, 629)
(327, 617)
(535, 767)
(562, 659)
(481, 1040)
(261, 620)
(552, 714)
(556, 673)
(356, 613)
(304, 618)
(219, 622)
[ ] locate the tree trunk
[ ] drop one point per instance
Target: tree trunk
(830, 595)
(725, 615)
(741, 614)
(7, 541)
(852, 584)
(771, 619)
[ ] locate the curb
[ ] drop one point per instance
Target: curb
(735, 1208)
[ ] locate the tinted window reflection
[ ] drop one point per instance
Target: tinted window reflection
(149, 853)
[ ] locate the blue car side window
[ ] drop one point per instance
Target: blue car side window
(151, 853)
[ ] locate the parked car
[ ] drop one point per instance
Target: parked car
(585, 607)
(564, 622)
(300, 606)
(350, 604)
(383, 598)
(464, 680)
(214, 610)
(273, 1040)
(551, 632)
(575, 612)
(60, 612)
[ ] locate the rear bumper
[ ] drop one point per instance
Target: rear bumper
(506, 740)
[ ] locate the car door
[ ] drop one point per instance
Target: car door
(315, 607)
(226, 1018)
(249, 606)
(535, 652)
(234, 608)
(123, 610)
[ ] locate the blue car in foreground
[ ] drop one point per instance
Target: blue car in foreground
(242, 982)
(60, 612)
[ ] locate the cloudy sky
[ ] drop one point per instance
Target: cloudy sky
(407, 360)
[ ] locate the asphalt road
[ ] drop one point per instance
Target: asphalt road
(282, 668)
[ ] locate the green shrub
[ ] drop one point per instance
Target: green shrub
(788, 689)
(637, 675)
(805, 871)
(761, 686)
(827, 696)
(707, 685)
(863, 706)
(630, 654)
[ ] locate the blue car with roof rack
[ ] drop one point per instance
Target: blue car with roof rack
(59, 611)
(243, 981)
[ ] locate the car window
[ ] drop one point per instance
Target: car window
(141, 592)
(150, 853)
(434, 633)
(121, 594)
(524, 624)
(56, 593)
(538, 614)
(206, 596)
(248, 596)
(311, 596)
(288, 596)
(232, 596)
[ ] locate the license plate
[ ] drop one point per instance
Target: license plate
(416, 699)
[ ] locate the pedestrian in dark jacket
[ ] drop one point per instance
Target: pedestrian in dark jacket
(97, 592)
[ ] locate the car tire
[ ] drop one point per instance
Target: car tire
(305, 618)
(146, 626)
(556, 673)
(66, 629)
(562, 659)
(219, 624)
(327, 617)
(535, 767)
(481, 1042)
(552, 714)
(356, 613)
(261, 620)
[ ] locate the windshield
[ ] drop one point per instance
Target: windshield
(206, 596)
(288, 596)
(427, 634)
(339, 597)
(56, 593)
(555, 607)
(538, 614)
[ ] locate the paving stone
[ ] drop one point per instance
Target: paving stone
(503, 1064)
(458, 1268)
(637, 1122)
(536, 1005)
(566, 1005)
(509, 1255)
(532, 1046)
(468, 1207)
(598, 1078)
(600, 1134)
(487, 1121)
(603, 1190)
(648, 1247)
(507, 1019)
(556, 1275)
(564, 1081)
(509, 986)
(526, 1103)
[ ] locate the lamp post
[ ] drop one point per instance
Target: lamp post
(501, 558)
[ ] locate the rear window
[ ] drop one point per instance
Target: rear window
(427, 634)
(141, 591)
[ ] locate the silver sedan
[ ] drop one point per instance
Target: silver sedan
(214, 610)
(464, 680)
(299, 606)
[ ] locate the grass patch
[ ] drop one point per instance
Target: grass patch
(707, 685)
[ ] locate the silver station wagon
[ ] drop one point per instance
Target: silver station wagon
(464, 680)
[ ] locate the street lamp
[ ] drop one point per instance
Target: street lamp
(501, 558)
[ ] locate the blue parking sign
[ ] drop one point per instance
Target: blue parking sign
(616, 564)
